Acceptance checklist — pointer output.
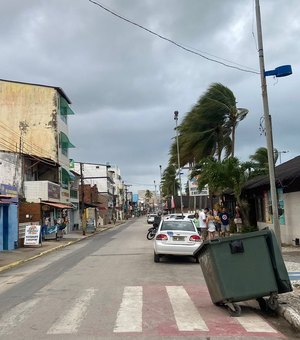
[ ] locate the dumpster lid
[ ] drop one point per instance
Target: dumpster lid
(210, 243)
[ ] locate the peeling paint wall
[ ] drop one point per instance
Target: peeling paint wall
(28, 119)
(11, 169)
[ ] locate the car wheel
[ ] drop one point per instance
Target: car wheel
(156, 258)
(196, 259)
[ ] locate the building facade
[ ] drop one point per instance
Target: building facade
(35, 138)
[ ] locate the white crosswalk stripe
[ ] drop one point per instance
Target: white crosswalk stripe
(71, 321)
(129, 317)
(16, 316)
(254, 323)
(179, 309)
(186, 314)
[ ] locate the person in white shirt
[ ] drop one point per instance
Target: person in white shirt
(203, 226)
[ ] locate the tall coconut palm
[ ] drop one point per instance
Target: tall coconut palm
(221, 99)
(170, 184)
(209, 128)
(260, 162)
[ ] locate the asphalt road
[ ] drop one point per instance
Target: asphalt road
(108, 287)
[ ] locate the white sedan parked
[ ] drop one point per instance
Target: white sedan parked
(176, 237)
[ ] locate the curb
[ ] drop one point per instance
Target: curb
(290, 315)
(17, 263)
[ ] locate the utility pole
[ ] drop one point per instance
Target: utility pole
(178, 157)
(160, 190)
(268, 126)
(126, 199)
(82, 199)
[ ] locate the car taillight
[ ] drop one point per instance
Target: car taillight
(195, 238)
(162, 237)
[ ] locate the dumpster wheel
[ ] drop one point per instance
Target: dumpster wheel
(234, 309)
(262, 304)
(272, 302)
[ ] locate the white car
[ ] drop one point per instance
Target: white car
(176, 237)
(150, 218)
(179, 216)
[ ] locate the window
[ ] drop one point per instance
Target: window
(64, 143)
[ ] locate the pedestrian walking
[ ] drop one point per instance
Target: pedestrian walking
(225, 225)
(202, 223)
(197, 222)
(217, 222)
(211, 228)
(238, 219)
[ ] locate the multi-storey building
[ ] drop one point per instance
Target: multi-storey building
(102, 176)
(34, 147)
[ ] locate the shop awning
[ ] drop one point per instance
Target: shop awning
(67, 175)
(5, 196)
(58, 205)
(64, 107)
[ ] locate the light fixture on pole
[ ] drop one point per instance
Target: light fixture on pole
(178, 158)
(281, 71)
(281, 152)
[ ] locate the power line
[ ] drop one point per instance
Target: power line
(169, 40)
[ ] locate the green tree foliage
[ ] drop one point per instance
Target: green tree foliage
(209, 128)
(169, 183)
(258, 164)
(228, 174)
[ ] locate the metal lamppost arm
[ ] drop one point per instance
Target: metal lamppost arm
(268, 126)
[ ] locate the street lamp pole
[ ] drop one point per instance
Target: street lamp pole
(268, 126)
(178, 158)
(160, 190)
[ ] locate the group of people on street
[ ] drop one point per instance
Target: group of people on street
(211, 224)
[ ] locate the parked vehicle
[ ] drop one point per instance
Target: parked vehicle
(152, 232)
(150, 218)
(176, 237)
(179, 216)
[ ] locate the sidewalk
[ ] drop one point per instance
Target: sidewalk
(289, 303)
(13, 258)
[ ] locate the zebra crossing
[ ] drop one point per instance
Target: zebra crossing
(143, 310)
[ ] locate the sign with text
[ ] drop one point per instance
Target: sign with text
(32, 235)
(193, 188)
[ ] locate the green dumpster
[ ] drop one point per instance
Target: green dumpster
(243, 267)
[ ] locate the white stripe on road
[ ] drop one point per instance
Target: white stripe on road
(16, 316)
(186, 314)
(71, 321)
(254, 323)
(129, 318)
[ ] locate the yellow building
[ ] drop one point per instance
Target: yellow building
(34, 143)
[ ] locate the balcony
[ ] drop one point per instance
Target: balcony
(35, 191)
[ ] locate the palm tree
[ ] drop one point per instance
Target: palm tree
(170, 184)
(259, 161)
(222, 99)
(148, 196)
(209, 128)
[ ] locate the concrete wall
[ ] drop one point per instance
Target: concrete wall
(29, 113)
(292, 217)
(291, 229)
(11, 169)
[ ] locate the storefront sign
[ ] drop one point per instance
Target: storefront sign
(53, 191)
(9, 190)
(193, 188)
(32, 235)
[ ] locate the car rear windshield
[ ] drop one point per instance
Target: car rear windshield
(176, 225)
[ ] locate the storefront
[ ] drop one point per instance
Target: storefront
(8, 217)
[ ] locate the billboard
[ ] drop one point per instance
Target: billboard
(193, 188)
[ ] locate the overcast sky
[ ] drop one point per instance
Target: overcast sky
(125, 83)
